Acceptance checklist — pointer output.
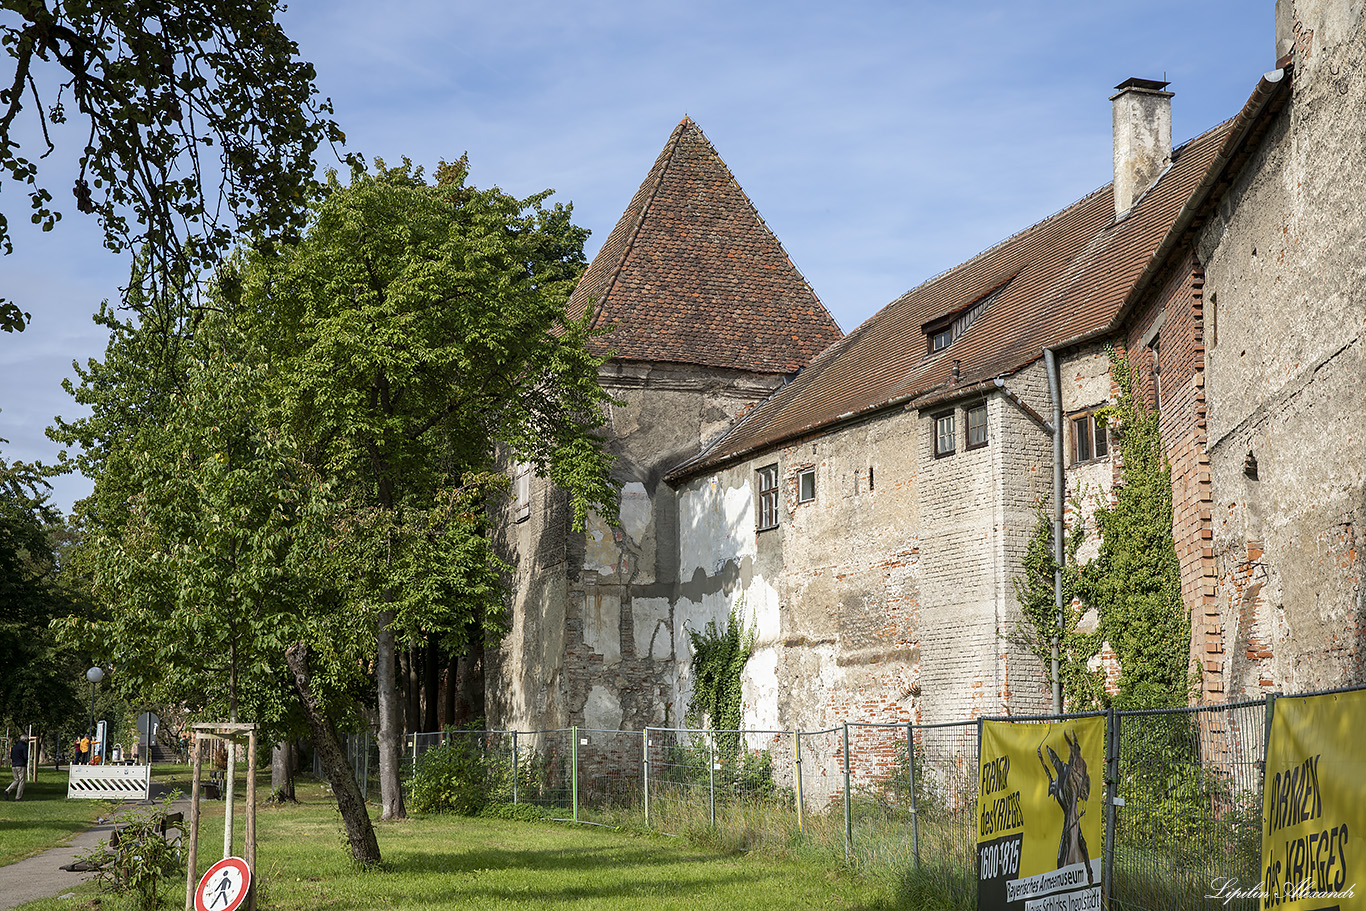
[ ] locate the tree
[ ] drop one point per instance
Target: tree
(154, 87)
(38, 682)
(416, 328)
(209, 545)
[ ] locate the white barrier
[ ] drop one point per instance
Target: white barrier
(110, 782)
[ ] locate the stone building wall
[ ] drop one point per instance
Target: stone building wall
(591, 639)
(1285, 267)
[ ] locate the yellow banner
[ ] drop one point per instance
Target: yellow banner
(1314, 804)
(1041, 797)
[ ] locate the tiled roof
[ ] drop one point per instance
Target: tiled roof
(1060, 280)
(691, 274)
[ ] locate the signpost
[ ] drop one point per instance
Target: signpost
(195, 899)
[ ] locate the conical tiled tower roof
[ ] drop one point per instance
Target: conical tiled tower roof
(691, 274)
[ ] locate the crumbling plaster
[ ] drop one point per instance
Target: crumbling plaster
(1286, 283)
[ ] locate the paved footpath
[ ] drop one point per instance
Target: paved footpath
(42, 876)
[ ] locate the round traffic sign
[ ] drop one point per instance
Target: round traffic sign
(224, 887)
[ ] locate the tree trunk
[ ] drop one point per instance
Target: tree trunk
(431, 690)
(360, 833)
(448, 709)
(390, 784)
(282, 772)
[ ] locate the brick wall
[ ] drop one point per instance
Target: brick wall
(1174, 311)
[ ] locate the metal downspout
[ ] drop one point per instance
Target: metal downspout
(1059, 550)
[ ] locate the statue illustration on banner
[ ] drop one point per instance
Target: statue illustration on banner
(1040, 801)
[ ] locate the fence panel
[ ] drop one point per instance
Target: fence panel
(1191, 784)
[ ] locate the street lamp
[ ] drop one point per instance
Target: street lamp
(94, 675)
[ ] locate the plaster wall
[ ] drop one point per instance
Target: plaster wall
(1285, 264)
(593, 634)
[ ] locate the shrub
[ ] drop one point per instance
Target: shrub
(462, 775)
(137, 856)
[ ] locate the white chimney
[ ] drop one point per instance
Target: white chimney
(1143, 138)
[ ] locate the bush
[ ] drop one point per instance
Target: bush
(460, 776)
(137, 856)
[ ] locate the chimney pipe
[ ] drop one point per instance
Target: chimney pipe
(1142, 138)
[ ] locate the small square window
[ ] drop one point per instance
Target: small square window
(945, 434)
(977, 427)
(806, 485)
(767, 513)
(1090, 439)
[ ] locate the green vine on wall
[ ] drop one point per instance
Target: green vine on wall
(1082, 688)
(718, 667)
(1134, 582)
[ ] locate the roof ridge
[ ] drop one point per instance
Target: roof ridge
(665, 159)
(763, 223)
(987, 250)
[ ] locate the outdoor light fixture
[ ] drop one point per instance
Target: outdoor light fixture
(94, 675)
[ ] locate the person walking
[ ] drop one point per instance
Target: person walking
(18, 760)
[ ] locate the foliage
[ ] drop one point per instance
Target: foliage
(416, 329)
(154, 89)
(718, 667)
(742, 773)
(137, 858)
(39, 684)
(1082, 688)
(469, 773)
(206, 531)
(1135, 581)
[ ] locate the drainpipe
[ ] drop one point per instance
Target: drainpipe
(1055, 394)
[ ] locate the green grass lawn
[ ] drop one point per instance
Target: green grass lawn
(457, 862)
(44, 818)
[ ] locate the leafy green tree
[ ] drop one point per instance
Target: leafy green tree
(37, 677)
(209, 545)
(156, 88)
(417, 328)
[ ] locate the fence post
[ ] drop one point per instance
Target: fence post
(514, 768)
(645, 770)
(848, 817)
(1112, 733)
(711, 773)
(915, 813)
(1266, 730)
(574, 764)
(797, 778)
(414, 754)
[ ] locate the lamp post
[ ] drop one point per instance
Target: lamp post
(94, 675)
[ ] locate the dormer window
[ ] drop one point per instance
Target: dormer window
(943, 332)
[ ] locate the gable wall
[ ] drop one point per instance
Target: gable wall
(1285, 264)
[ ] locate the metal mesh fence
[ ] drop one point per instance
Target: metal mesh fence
(1183, 808)
(1190, 781)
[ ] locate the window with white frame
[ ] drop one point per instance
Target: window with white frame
(806, 485)
(945, 434)
(767, 513)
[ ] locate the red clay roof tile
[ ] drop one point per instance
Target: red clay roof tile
(1067, 278)
(692, 274)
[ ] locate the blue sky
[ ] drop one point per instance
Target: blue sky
(882, 142)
